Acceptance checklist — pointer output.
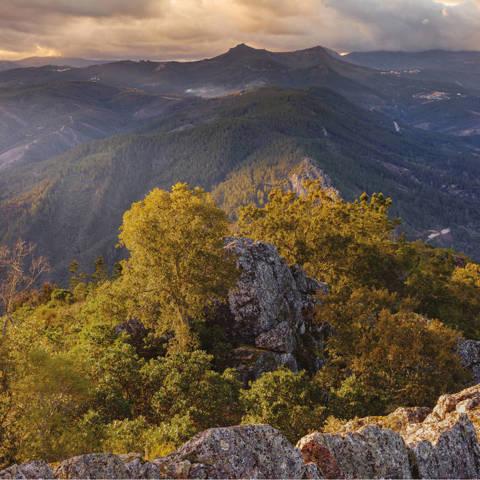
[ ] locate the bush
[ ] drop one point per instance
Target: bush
(285, 400)
(61, 295)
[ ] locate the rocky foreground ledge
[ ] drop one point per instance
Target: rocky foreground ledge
(420, 443)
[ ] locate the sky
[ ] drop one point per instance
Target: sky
(194, 29)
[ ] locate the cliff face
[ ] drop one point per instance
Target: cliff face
(269, 314)
(441, 445)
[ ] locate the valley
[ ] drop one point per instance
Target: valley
(211, 123)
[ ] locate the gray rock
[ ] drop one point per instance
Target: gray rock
(441, 443)
(445, 444)
(469, 353)
(138, 468)
(454, 453)
(278, 339)
(94, 465)
(35, 469)
(244, 451)
(401, 420)
(371, 452)
(252, 362)
(272, 306)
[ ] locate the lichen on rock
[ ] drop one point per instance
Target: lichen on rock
(244, 451)
(271, 309)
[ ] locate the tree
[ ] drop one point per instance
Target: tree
(76, 275)
(100, 274)
(333, 240)
(19, 271)
(177, 267)
(187, 396)
(50, 395)
(384, 356)
(285, 400)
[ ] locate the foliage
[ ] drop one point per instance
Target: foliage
(250, 141)
(70, 383)
(48, 397)
(19, 270)
(379, 360)
(190, 394)
(332, 239)
(284, 400)
(177, 263)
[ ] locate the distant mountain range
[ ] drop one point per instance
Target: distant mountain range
(43, 61)
(78, 145)
(436, 60)
(441, 110)
(412, 96)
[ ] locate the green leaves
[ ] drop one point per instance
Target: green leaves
(284, 400)
(177, 265)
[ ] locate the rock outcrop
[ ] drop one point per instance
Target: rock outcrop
(269, 314)
(245, 451)
(307, 170)
(399, 420)
(138, 468)
(469, 353)
(95, 465)
(446, 451)
(36, 469)
(371, 452)
(439, 444)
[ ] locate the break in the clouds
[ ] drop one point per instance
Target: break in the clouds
(187, 29)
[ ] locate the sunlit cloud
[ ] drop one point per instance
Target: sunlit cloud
(190, 29)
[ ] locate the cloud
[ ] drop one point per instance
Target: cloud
(188, 29)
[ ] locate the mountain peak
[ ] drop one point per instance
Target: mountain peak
(242, 47)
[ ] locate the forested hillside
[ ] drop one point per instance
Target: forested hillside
(71, 205)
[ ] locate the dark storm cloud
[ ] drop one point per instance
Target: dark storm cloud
(185, 29)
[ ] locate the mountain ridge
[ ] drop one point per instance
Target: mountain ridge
(78, 198)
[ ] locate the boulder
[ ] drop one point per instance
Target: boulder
(35, 469)
(279, 339)
(272, 306)
(371, 452)
(94, 465)
(138, 468)
(399, 420)
(244, 451)
(408, 443)
(315, 453)
(251, 362)
(446, 411)
(469, 353)
(449, 452)
(445, 444)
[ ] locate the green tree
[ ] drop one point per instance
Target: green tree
(177, 266)
(100, 274)
(382, 358)
(333, 240)
(50, 394)
(284, 400)
(187, 396)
